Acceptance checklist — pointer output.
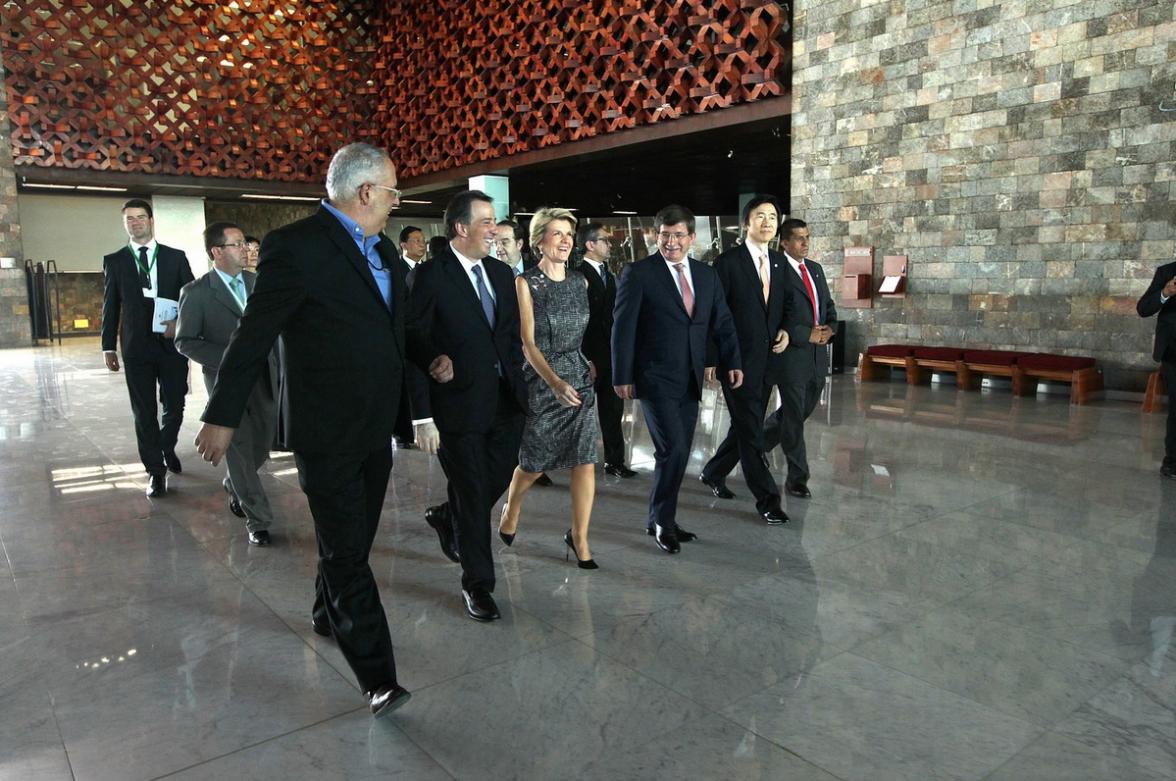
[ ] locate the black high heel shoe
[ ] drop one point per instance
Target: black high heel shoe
(587, 563)
(507, 538)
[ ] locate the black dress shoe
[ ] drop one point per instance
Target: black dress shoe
(775, 516)
(683, 535)
(234, 502)
(619, 470)
(157, 487)
(480, 605)
(386, 699)
(1168, 470)
(260, 537)
(321, 629)
(718, 487)
(544, 480)
(173, 462)
(666, 539)
(438, 518)
(798, 489)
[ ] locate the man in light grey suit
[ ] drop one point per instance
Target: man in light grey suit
(209, 310)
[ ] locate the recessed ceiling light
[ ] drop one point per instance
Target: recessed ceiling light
(263, 197)
(409, 200)
(623, 212)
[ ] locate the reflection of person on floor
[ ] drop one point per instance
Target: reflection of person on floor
(668, 307)
(560, 429)
(1153, 605)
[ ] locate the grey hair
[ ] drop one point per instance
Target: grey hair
(542, 219)
(353, 166)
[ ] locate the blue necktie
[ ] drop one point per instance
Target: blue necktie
(484, 297)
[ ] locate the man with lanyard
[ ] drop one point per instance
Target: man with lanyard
(143, 281)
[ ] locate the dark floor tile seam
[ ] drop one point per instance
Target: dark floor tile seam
(1063, 736)
(57, 726)
(777, 744)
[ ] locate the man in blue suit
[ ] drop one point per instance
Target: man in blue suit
(668, 306)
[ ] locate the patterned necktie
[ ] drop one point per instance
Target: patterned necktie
(605, 277)
(808, 285)
(484, 297)
(238, 288)
(765, 278)
(687, 293)
(144, 277)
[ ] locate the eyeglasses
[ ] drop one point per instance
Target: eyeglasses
(664, 236)
(395, 193)
(237, 244)
(598, 238)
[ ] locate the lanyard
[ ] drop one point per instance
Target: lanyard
(135, 254)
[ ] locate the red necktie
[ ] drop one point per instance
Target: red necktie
(808, 285)
(687, 293)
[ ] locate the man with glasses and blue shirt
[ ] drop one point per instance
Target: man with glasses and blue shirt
(331, 286)
(210, 308)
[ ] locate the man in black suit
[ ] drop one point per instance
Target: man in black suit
(811, 324)
(1160, 299)
(210, 309)
(330, 285)
(597, 344)
(463, 330)
(140, 277)
(754, 282)
(668, 307)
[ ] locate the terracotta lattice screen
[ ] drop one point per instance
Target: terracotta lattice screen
(251, 89)
(463, 82)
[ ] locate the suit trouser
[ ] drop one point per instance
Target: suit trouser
(403, 428)
(609, 409)
(248, 451)
(744, 444)
(346, 492)
(1168, 372)
(479, 467)
(167, 371)
(671, 427)
(785, 426)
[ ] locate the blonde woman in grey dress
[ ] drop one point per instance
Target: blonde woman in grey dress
(560, 430)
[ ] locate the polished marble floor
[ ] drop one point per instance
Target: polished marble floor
(981, 587)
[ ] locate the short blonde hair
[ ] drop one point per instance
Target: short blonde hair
(541, 220)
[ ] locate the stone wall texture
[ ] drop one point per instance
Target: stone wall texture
(1020, 153)
(15, 328)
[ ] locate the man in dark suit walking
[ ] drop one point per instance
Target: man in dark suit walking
(668, 307)
(463, 330)
(1160, 299)
(754, 282)
(210, 308)
(597, 344)
(140, 278)
(330, 286)
(811, 324)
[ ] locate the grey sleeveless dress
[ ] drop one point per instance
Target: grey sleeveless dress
(555, 436)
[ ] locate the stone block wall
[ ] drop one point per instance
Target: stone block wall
(1022, 154)
(15, 328)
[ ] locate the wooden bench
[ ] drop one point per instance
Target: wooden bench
(1024, 369)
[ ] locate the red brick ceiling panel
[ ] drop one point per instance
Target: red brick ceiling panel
(463, 82)
(252, 89)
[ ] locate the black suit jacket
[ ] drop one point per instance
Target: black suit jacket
(1164, 348)
(804, 361)
(656, 346)
(602, 298)
(126, 313)
(756, 323)
(344, 347)
(445, 318)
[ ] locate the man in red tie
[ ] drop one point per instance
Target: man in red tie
(811, 325)
(668, 306)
